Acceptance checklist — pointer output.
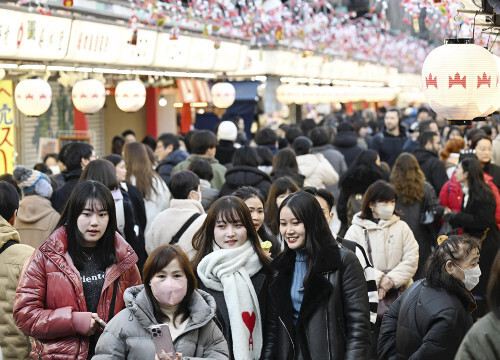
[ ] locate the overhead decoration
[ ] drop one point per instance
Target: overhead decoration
(460, 80)
(223, 94)
(88, 96)
(130, 95)
(33, 96)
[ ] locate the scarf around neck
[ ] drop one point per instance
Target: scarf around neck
(229, 271)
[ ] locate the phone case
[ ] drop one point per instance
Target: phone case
(162, 339)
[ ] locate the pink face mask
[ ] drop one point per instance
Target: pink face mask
(169, 292)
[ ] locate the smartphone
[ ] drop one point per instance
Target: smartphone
(100, 322)
(162, 339)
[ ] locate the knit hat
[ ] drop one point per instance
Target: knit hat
(227, 131)
(302, 145)
(32, 182)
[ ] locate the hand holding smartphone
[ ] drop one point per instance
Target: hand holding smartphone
(162, 340)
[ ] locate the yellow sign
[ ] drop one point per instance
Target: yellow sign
(6, 127)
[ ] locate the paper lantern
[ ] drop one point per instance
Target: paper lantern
(130, 95)
(88, 96)
(460, 80)
(284, 94)
(223, 95)
(33, 96)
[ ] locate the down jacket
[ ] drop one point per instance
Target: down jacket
(126, 336)
(317, 170)
(50, 289)
(394, 248)
(333, 322)
(244, 175)
(15, 345)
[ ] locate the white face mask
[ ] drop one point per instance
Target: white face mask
(471, 276)
(384, 212)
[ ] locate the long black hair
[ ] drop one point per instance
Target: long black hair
(478, 189)
(93, 192)
(319, 237)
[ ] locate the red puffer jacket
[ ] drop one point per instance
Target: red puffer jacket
(451, 195)
(50, 289)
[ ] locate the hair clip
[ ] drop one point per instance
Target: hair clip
(467, 151)
(441, 239)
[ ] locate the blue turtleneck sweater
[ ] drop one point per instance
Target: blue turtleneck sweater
(297, 289)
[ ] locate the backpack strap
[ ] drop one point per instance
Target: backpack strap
(113, 300)
(177, 236)
(351, 245)
(367, 238)
(8, 244)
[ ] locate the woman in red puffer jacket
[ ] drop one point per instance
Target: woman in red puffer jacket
(76, 278)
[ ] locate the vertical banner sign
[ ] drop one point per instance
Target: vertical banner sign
(6, 127)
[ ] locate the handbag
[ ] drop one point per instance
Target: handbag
(426, 214)
(390, 296)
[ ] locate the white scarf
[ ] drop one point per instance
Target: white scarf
(230, 270)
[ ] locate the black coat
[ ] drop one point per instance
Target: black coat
(333, 322)
(140, 215)
(493, 170)
(164, 168)
(61, 195)
(243, 175)
(426, 323)
(293, 174)
(432, 167)
(389, 146)
(347, 143)
(225, 151)
(260, 283)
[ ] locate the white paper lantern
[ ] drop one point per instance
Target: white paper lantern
(284, 94)
(33, 96)
(223, 95)
(130, 95)
(88, 96)
(460, 81)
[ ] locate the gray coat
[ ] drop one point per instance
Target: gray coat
(126, 337)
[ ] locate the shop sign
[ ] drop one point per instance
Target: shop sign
(173, 54)
(201, 55)
(31, 36)
(227, 57)
(6, 127)
(143, 52)
(96, 43)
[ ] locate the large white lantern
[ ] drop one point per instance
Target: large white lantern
(88, 96)
(130, 95)
(33, 96)
(284, 94)
(460, 80)
(223, 94)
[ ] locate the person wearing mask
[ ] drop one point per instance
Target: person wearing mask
(203, 144)
(13, 256)
(318, 307)
(202, 168)
(36, 218)
(280, 189)
(477, 218)
(391, 138)
(76, 278)
(482, 340)
(428, 159)
(50, 160)
(233, 268)
(169, 154)
(76, 156)
(182, 219)
(169, 296)
(432, 317)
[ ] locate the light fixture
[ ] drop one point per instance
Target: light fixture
(223, 94)
(33, 96)
(162, 101)
(130, 95)
(460, 80)
(8, 66)
(88, 96)
(32, 67)
(60, 68)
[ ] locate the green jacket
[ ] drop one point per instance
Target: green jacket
(14, 344)
(219, 170)
(126, 336)
(482, 340)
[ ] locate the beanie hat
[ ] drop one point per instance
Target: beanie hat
(227, 131)
(301, 145)
(32, 181)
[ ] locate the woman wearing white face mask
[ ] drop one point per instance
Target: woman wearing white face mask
(169, 296)
(389, 243)
(432, 317)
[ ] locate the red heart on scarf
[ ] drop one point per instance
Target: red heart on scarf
(249, 320)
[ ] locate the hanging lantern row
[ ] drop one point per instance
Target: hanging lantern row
(460, 81)
(303, 94)
(34, 96)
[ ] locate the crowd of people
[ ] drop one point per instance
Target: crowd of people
(371, 236)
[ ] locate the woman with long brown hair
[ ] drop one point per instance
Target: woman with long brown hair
(141, 174)
(280, 189)
(416, 197)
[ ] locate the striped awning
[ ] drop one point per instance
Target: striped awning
(193, 90)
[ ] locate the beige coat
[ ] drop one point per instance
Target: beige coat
(169, 221)
(36, 220)
(317, 170)
(14, 344)
(394, 248)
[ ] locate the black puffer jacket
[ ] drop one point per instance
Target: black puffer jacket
(432, 167)
(291, 173)
(347, 143)
(61, 195)
(333, 322)
(164, 168)
(426, 323)
(244, 175)
(389, 146)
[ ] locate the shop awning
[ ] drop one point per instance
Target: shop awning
(246, 90)
(193, 90)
